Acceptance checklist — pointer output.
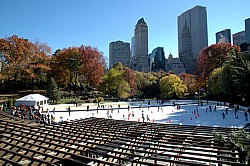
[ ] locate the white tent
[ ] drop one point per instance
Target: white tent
(32, 100)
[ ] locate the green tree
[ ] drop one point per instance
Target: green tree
(172, 86)
(227, 86)
(123, 90)
(111, 82)
(145, 84)
(52, 90)
(240, 70)
(214, 82)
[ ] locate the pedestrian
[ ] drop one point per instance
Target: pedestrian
(69, 110)
(87, 108)
(148, 118)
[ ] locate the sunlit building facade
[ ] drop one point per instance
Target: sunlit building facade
(119, 51)
(192, 36)
(141, 58)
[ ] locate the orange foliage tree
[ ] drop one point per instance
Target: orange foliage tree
(66, 64)
(211, 58)
(93, 66)
(130, 76)
(189, 80)
(23, 61)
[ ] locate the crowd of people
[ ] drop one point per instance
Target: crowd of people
(29, 113)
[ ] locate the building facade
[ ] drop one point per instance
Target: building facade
(247, 30)
(175, 65)
(239, 38)
(119, 51)
(157, 59)
(223, 36)
(192, 36)
(141, 58)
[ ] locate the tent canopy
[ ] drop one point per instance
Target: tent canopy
(32, 100)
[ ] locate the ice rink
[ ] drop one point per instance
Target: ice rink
(190, 113)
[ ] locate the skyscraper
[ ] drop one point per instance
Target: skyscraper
(223, 36)
(239, 38)
(132, 60)
(141, 58)
(247, 30)
(119, 51)
(157, 59)
(192, 36)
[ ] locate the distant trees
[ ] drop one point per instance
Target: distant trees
(119, 81)
(172, 86)
(190, 81)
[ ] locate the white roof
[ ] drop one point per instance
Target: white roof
(33, 97)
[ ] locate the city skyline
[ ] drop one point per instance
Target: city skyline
(64, 23)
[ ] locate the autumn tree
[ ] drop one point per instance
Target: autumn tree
(66, 65)
(211, 58)
(23, 62)
(189, 80)
(172, 86)
(93, 64)
(130, 76)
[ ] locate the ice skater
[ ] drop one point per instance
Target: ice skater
(246, 116)
(223, 115)
(226, 110)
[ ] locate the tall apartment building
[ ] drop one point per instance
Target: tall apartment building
(119, 51)
(192, 36)
(239, 38)
(141, 58)
(157, 59)
(247, 30)
(223, 36)
(132, 60)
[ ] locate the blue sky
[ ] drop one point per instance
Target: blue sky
(66, 23)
